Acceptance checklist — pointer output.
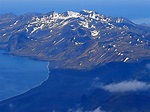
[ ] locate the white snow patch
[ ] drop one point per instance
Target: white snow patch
(64, 23)
(15, 22)
(73, 29)
(143, 36)
(27, 29)
(29, 25)
(102, 55)
(122, 32)
(87, 11)
(119, 54)
(84, 24)
(59, 41)
(138, 40)
(80, 63)
(124, 26)
(36, 28)
(52, 19)
(73, 14)
(93, 26)
(116, 50)
(4, 34)
(127, 58)
(114, 45)
(37, 19)
(78, 43)
(90, 59)
(94, 33)
(103, 20)
(92, 51)
(119, 20)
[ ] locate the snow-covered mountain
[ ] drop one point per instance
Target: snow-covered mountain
(74, 39)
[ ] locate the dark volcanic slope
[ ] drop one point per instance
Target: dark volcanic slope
(74, 40)
(73, 90)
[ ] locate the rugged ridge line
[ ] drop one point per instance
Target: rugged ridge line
(75, 40)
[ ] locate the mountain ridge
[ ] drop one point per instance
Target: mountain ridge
(79, 40)
(96, 62)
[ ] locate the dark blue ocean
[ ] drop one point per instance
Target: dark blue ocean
(19, 74)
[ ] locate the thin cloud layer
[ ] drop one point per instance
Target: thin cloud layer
(96, 110)
(127, 86)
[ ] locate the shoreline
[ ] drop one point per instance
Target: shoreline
(3, 52)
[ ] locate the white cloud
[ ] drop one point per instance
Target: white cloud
(127, 86)
(96, 110)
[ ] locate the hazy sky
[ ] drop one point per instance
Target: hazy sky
(132, 9)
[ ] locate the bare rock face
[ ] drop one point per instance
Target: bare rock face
(75, 40)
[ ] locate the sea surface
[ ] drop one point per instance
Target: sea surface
(20, 74)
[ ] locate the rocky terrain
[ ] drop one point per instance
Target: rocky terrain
(98, 63)
(74, 40)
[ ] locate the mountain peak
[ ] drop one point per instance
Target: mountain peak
(75, 39)
(88, 11)
(71, 14)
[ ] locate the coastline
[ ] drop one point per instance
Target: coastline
(3, 52)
